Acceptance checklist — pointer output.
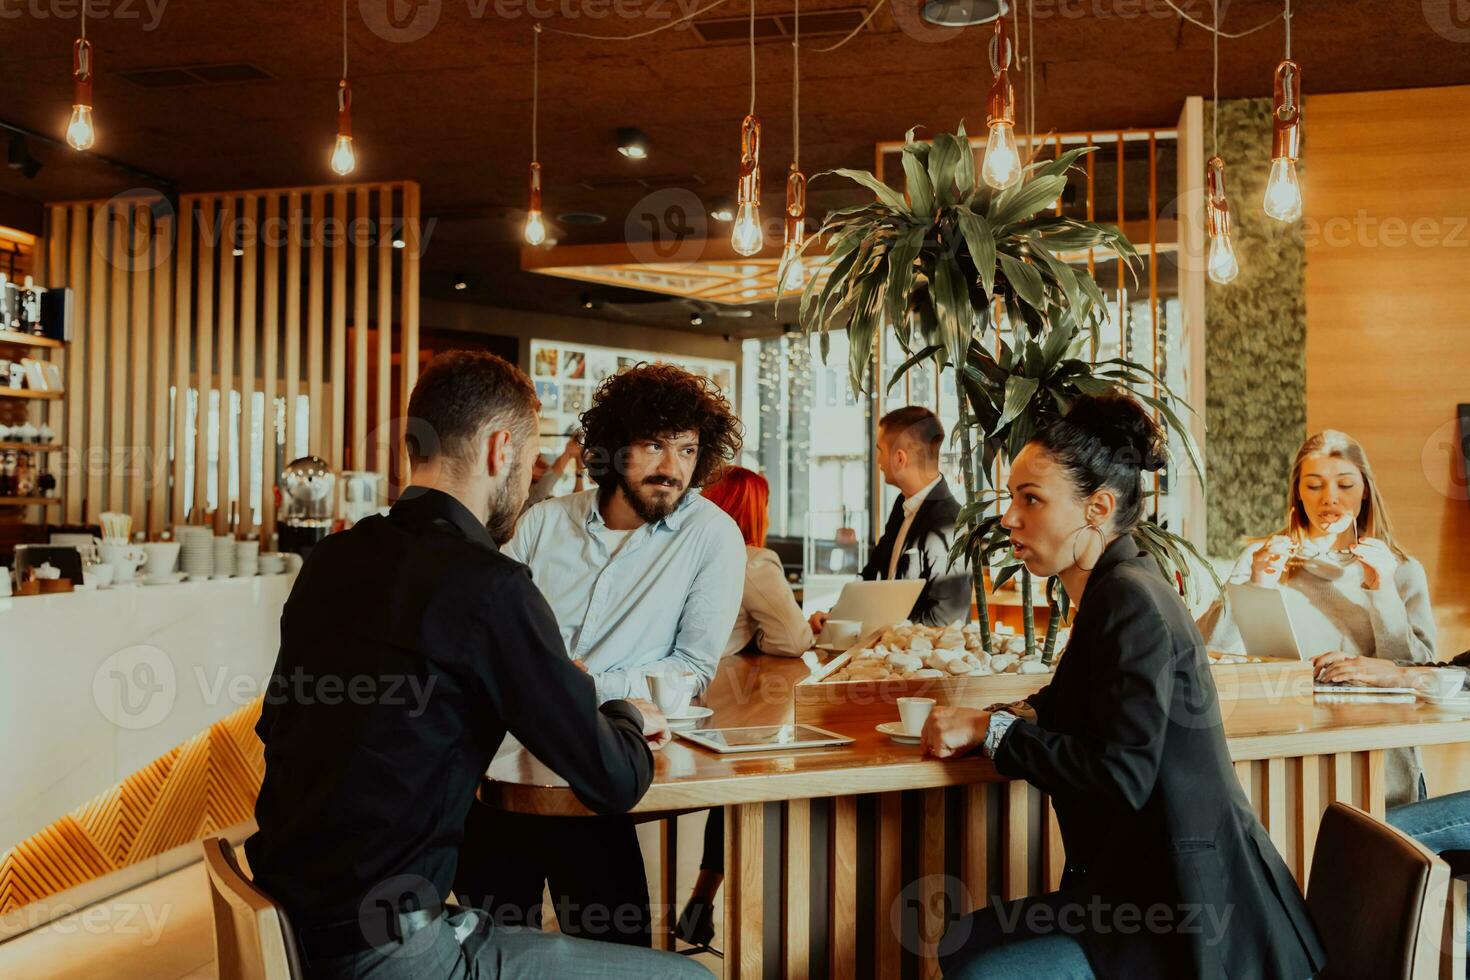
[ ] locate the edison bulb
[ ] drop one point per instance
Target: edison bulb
(747, 238)
(1283, 191)
(79, 131)
(794, 275)
(344, 158)
(1223, 267)
(1002, 165)
(535, 232)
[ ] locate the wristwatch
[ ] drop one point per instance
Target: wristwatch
(1000, 723)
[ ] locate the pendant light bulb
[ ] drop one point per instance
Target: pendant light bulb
(1283, 190)
(747, 237)
(1221, 264)
(793, 270)
(80, 133)
(344, 157)
(535, 229)
(1001, 167)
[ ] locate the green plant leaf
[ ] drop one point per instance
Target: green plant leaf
(1024, 279)
(920, 190)
(886, 194)
(976, 232)
(1024, 200)
(1019, 390)
(944, 156)
(964, 174)
(903, 368)
(952, 304)
(1059, 166)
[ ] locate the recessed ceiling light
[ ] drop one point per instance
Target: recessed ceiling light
(399, 243)
(581, 218)
(695, 319)
(237, 252)
(633, 143)
(461, 284)
(722, 209)
(964, 13)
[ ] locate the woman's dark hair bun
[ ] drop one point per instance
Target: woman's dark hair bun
(1123, 424)
(1108, 441)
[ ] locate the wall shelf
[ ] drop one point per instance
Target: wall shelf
(29, 340)
(30, 393)
(29, 501)
(32, 447)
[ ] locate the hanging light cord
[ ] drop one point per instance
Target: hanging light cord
(633, 37)
(752, 57)
(84, 20)
(854, 32)
(1287, 14)
(1216, 29)
(535, 87)
(1215, 104)
(1031, 75)
(344, 35)
(796, 88)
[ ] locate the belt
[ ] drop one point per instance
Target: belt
(345, 938)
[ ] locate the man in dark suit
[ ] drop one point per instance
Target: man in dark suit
(921, 526)
(410, 646)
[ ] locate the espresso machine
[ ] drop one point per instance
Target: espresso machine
(308, 494)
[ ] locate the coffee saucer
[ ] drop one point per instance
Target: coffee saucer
(895, 731)
(691, 716)
(169, 579)
(1460, 699)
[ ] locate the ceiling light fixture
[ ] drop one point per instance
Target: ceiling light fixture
(792, 273)
(963, 13)
(633, 143)
(747, 237)
(344, 157)
(1283, 190)
(535, 229)
(80, 132)
(1001, 167)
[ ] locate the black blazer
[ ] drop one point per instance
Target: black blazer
(1130, 746)
(946, 595)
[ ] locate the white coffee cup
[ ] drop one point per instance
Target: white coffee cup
(1445, 682)
(913, 712)
(841, 633)
(99, 575)
(123, 557)
(671, 692)
(4, 581)
(162, 556)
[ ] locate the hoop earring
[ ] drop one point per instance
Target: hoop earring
(1101, 540)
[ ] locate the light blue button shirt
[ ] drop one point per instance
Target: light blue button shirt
(665, 601)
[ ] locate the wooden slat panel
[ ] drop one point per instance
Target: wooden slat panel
(667, 897)
(409, 297)
(292, 343)
(204, 360)
(842, 885)
(1309, 809)
(1016, 855)
(315, 329)
(1273, 807)
(270, 339)
(158, 431)
(1247, 781)
(225, 421)
(183, 342)
(360, 270)
(138, 443)
(1342, 777)
(1054, 855)
(932, 880)
(888, 876)
(58, 273)
(1374, 783)
(249, 462)
(974, 848)
(744, 869)
(797, 894)
(337, 376)
(117, 374)
(383, 412)
(80, 259)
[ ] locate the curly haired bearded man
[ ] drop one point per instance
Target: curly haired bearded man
(645, 577)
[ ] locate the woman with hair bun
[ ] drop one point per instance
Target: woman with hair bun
(1169, 873)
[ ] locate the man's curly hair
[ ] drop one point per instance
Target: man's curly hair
(650, 400)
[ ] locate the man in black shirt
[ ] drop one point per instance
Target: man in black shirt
(409, 647)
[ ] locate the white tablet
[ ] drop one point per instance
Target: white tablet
(764, 738)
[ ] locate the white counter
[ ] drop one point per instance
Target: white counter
(95, 685)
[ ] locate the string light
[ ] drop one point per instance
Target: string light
(1283, 191)
(344, 157)
(80, 132)
(746, 237)
(1001, 167)
(535, 230)
(793, 272)
(1221, 264)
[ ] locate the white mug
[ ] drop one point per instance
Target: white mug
(4, 581)
(123, 557)
(913, 712)
(671, 692)
(162, 556)
(99, 575)
(841, 633)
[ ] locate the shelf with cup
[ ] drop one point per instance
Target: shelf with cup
(18, 339)
(29, 501)
(30, 393)
(31, 447)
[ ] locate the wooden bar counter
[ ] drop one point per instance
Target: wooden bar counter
(875, 848)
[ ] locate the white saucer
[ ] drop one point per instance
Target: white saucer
(691, 716)
(169, 579)
(1459, 700)
(895, 731)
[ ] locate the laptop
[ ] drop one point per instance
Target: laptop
(1265, 624)
(874, 604)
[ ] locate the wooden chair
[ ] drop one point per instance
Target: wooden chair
(1379, 899)
(253, 939)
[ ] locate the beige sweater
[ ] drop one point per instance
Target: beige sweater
(769, 615)
(1330, 610)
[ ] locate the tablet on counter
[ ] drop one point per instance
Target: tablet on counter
(764, 738)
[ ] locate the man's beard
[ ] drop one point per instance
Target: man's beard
(652, 510)
(506, 505)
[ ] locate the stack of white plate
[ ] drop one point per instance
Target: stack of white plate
(247, 558)
(196, 556)
(272, 563)
(224, 555)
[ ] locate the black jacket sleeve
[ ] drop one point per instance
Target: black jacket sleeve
(1117, 760)
(551, 706)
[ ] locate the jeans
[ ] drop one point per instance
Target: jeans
(466, 944)
(1440, 824)
(979, 945)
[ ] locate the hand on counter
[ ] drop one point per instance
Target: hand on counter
(1339, 667)
(816, 621)
(655, 725)
(951, 731)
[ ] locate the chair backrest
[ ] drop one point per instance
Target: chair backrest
(1377, 897)
(252, 936)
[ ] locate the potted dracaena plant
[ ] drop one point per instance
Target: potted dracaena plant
(974, 280)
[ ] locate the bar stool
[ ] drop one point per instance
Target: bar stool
(253, 939)
(1378, 898)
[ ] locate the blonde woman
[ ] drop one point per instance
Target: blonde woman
(1358, 602)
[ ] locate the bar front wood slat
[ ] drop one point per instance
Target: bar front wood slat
(1247, 780)
(95, 460)
(1015, 854)
(933, 879)
(744, 890)
(183, 343)
(158, 441)
(337, 356)
(250, 245)
(1342, 777)
(135, 450)
(974, 844)
(204, 361)
(292, 342)
(888, 877)
(270, 330)
(80, 258)
(842, 889)
(383, 411)
(1309, 809)
(796, 898)
(315, 327)
(117, 375)
(360, 268)
(1274, 805)
(1374, 784)
(58, 273)
(408, 317)
(224, 420)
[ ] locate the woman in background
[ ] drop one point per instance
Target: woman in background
(1358, 604)
(771, 622)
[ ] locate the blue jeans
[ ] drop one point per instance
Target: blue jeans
(466, 944)
(1440, 824)
(981, 944)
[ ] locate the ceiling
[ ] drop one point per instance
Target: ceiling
(451, 108)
